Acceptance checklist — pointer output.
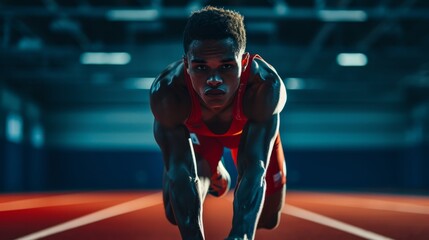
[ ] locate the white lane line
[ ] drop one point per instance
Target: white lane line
(130, 206)
(49, 201)
(330, 222)
(374, 205)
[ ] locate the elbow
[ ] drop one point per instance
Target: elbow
(255, 173)
(282, 99)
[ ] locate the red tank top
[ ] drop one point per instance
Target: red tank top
(195, 123)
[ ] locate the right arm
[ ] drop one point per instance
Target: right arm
(170, 105)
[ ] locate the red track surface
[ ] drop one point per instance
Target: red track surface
(388, 216)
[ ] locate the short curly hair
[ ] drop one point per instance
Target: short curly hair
(212, 23)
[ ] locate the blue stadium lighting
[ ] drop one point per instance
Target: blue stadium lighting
(132, 15)
(104, 58)
(14, 128)
(342, 15)
(352, 59)
(294, 83)
(139, 83)
(37, 136)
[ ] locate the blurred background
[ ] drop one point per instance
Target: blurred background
(75, 74)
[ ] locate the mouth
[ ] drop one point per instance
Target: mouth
(214, 92)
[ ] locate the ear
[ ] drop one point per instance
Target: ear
(185, 61)
(245, 61)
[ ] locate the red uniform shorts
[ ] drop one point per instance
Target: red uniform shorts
(211, 149)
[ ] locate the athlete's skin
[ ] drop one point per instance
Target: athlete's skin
(215, 67)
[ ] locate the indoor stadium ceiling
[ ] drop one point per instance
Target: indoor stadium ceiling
(43, 46)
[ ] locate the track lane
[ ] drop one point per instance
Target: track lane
(392, 223)
(19, 222)
(150, 222)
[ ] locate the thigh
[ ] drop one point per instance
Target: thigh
(276, 172)
(271, 211)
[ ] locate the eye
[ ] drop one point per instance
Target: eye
(200, 67)
(227, 66)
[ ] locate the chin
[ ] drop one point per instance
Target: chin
(214, 103)
(215, 107)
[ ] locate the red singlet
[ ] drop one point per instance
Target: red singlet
(209, 145)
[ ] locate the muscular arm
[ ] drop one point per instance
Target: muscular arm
(265, 102)
(182, 179)
(170, 106)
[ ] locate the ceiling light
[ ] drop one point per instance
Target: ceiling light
(37, 136)
(14, 128)
(113, 58)
(29, 43)
(132, 15)
(139, 83)
(294, 83)
(342, 15)
(352, 59)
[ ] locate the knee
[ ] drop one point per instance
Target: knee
(272, 210)
(271, 222)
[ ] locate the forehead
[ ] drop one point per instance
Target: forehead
(207, 49)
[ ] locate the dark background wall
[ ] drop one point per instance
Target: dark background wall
(385, 170)
(69, 125)
(327, 148)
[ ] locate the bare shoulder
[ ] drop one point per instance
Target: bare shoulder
(169, 98)
(265, 94)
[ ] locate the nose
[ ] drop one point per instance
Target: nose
(214, 81)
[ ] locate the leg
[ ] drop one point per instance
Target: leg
(220, 181)
(271, 211)
(276, 188)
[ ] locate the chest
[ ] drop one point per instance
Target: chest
(218, 123)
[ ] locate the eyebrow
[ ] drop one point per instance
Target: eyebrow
(197, 60)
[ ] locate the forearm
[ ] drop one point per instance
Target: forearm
(186, 202)
(253, 160)
(182, 179)
(248, 202)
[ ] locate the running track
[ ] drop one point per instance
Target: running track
(139, 215)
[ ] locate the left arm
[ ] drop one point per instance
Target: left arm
(265, 101)
(253, 159)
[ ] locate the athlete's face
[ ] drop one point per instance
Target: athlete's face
(215, 69)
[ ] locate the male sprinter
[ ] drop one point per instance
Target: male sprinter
(220, 96)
